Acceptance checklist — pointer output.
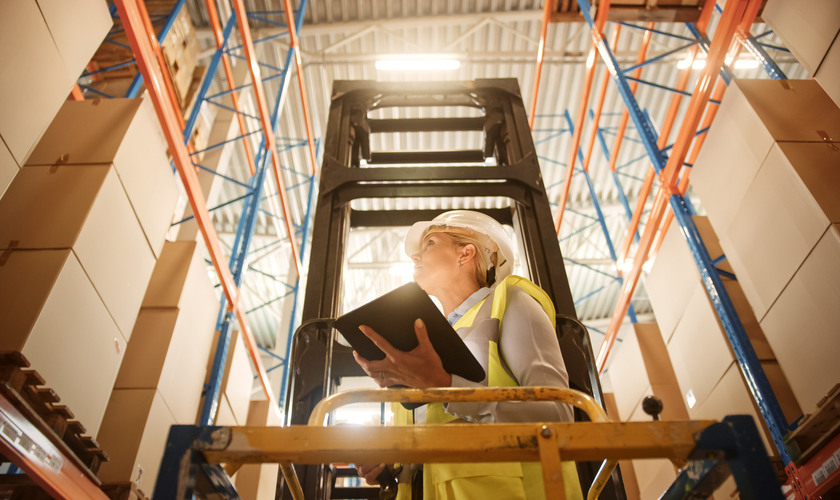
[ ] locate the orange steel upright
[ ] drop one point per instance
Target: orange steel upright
(597, 35)
(265, 118)
(682, 82)
(733, 13)
(741, 35)
(599, 105)
(140, 36)
(216, 27)
(293, 45)
(540, 55)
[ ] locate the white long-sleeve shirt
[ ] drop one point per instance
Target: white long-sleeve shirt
(529, 351)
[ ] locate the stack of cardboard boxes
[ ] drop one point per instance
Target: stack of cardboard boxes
(160, 380)
(698, 347)
(81, 223)
(44, 46)
(811, 34)
(641, 367)
(768, 179)
(687, 361)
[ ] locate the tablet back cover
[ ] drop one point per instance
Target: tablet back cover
(392, 316)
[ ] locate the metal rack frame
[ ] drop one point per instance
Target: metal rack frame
(731, 33)
(140, 31)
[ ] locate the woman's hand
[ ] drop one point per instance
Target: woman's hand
(370, 472)
(418, 368)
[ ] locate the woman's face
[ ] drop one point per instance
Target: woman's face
(436, 263)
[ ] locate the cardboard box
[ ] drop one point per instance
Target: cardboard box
(134, 434)
(167, 351)
(124, 132)
(674, 275)
(641, 367)
(8, 168)
(671, 281)
(259, 481)
(174, 331)
(828, 76)
(33, 79)
(224, 415)
(753, 115)
(699, 352)
(239, 379)
(730, 397)
(77, 28)
(181, 278)
(84, 208)
(787, 208)
(628, 472)
(807, 32)
(50, 311)
(180, 50)
(802, 323)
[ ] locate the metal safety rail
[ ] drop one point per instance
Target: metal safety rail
(199, 460)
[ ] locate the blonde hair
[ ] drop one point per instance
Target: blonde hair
(483, 259)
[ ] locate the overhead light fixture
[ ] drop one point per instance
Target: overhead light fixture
(417, 63)
(700, 63)
(746, 63)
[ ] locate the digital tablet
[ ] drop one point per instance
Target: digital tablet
(392, 316)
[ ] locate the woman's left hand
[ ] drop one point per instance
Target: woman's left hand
(418, 368)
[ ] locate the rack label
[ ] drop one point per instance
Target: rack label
(15, 437)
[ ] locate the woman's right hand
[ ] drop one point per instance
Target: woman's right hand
(370, 472)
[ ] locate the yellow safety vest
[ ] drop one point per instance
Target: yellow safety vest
(508, 480)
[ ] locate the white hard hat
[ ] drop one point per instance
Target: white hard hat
(487, 230)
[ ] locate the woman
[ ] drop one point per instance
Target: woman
(464, 259)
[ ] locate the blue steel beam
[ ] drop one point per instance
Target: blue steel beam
(643, 125)
(230, 202)
(223, 143)
(703, 41)
(619, 188)
(665, 87)
(245, 231)
(770, 67)
(659, 57)
(208, 79)
(655, 31)
(744, 352)
(601, 220)
(134, 88)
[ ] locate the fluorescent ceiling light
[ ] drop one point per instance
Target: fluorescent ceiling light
(417, 63)
(700, 63)
(746, 64)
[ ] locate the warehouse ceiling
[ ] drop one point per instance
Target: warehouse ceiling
(342, 40)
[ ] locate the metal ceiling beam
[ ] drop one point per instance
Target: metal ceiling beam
(353, 27)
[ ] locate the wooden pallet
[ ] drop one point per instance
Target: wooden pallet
(25, 389)
(817, 429)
